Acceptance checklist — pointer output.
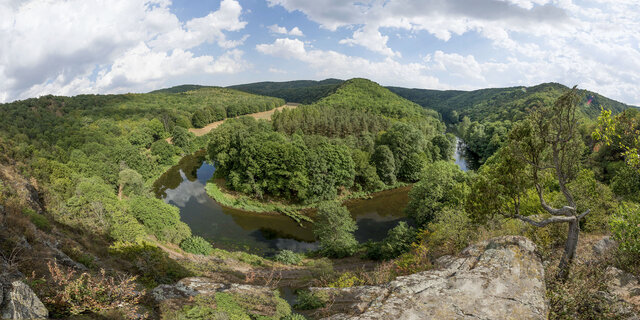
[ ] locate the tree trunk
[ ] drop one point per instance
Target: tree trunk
(569, 250)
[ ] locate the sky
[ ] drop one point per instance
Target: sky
(69, 47)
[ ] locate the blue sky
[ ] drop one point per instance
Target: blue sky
(115, 46)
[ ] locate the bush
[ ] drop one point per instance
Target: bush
(397, 242)
(625, 229)
(308, 300)
(66, 293)
(124, 227)
(196, 245)
(159, 218)
(288, 257)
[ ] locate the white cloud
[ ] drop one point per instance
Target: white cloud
(78, 46)
(592, 43)
(333, 64)
(295, 31)
(370, 38)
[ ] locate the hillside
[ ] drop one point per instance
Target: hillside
(300, 91)
(497, 104)
(363, 94)
(182, 88)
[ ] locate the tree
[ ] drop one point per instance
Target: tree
(385, 164)
(622, 131)
(442, 185)
(164, 151)
(159, 218)
(182, 138)
(334, 229)
(547, 143)
(130, 183)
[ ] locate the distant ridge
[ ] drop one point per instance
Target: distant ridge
(182, 88)
(489, 104)
(299, 91)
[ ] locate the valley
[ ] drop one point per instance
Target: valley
(357, 187)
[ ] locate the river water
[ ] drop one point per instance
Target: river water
(264, 234)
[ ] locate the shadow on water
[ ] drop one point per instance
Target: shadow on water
(232, 229)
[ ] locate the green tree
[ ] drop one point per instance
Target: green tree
(546, 143)
(130, 183)
(334, 229)
(182, 138)
(163, 151)
(442, 185)
(159, 218)
(385, 164)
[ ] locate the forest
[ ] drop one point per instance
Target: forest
(560, 166)
(360, 138)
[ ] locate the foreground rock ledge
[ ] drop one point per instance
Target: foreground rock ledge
(502, 278)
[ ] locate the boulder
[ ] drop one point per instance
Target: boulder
(17, 301)
(502, 278)
(604, 246)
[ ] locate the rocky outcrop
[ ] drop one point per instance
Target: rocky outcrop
(625, 287)
(502, 278)
(17, 300)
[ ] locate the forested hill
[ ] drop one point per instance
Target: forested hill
(363, 94)
(182, 88)
(300, 91)
(499, 104)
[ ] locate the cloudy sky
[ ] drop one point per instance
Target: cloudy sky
(68, 47)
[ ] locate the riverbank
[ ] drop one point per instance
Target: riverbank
(298, 212)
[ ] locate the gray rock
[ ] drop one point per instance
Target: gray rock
(604, 246)
(501, 278)
(17, 301)
(625, 286)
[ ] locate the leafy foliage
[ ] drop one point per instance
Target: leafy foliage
(625, 228)
(196, 245)
(288, 257)
(334, 229)
(442, 185)
(397, 242)
(301, 91)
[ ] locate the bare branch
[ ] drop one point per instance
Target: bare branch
(584, 214)
(545, 222)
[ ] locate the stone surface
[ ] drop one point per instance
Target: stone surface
(189, 287)
(501, 278)
(17, 301)
(604, 246)
(625, 286)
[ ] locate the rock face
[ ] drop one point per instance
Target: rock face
(502, 278)
(17, 301)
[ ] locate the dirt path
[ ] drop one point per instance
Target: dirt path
(258, 115)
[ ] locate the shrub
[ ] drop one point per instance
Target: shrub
(124, 227)
(308, 300)
(397, 242)
(346, 280)
(66, 293)
(625, 228)
(159, 218)
(196, 245)
(288, 257)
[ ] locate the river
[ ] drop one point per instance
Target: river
(264, 234)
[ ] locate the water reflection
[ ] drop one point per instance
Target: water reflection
(183, 186)
(465, 159)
